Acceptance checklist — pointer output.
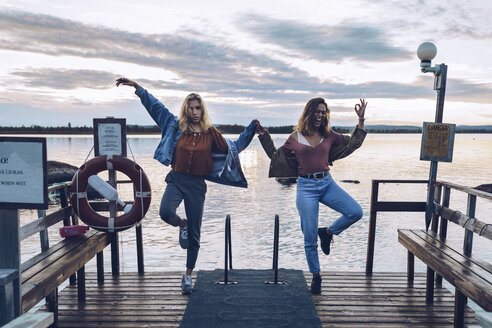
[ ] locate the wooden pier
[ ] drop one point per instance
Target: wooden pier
(348, 299)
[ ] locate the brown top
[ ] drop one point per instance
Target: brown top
(193, 153)
(313, 159)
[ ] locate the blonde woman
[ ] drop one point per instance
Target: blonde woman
(307, 154)
(190, 144)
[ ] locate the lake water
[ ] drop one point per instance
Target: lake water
(383, 156)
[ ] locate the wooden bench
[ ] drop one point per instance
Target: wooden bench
(471, 276)
(42, 274)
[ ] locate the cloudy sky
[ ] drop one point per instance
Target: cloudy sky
(251, 59)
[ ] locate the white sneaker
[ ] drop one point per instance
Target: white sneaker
(186, 285)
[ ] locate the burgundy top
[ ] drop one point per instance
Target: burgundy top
(313, 159)
(193, 153)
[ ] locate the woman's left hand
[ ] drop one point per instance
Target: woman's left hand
(360, 109)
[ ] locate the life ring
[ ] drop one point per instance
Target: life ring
(87, 214)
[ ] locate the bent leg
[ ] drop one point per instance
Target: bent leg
(339, 200)
(170, 201)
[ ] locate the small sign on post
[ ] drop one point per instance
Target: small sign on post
(437, 142)
(109, 136)
(23, 178)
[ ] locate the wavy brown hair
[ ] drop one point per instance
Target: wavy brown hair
(184, 113)
(305, 125)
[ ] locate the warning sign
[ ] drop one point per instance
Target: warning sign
(437, 142)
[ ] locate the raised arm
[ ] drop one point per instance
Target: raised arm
(156, 109)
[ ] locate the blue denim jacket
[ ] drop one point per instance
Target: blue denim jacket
(226, 167)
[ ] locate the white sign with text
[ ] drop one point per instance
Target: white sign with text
(109, 135)
(22, 169)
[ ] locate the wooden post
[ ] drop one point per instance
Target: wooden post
(140, 256)
(410, 267)
(10, 302)
(443, 229)
(100, 267)
(115, 253)
(372, 228)
(470, 211)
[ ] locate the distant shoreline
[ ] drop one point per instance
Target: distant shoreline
(231, 129)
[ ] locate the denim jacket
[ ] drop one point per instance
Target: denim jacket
(226, 167)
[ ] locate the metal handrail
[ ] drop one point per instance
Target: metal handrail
(228, 252)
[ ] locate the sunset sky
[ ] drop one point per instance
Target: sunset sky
(249, 59)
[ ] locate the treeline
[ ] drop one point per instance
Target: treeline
(224, 128)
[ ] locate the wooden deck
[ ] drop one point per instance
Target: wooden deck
(348, 299)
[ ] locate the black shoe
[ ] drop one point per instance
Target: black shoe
(326, 239)
(316, 284)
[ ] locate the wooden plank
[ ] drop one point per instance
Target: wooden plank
(49, 279)
(31, 320)
(460, 276)
(479, 267)
(400, 206)
(45, 222)
(472, 224)
(127, 298)
(39, 262)
(468, 190)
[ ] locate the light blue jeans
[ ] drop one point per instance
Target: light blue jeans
(310, 193)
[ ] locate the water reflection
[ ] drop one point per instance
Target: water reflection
(253, 209)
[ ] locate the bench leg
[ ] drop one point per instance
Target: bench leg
(459, 309)
(81, 283)
(52, 302)
(410, 267)
(100, 268)
(429, 291)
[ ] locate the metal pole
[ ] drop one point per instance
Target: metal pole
(226, 257)
(372, 228)
(440, 87)
(275, 249)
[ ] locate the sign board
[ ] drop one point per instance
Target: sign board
(437, 142)
(23, 177)
(109, 136)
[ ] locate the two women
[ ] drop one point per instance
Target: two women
(307, 154)
(196, 151)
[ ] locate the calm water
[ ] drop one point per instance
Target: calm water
(253, 209)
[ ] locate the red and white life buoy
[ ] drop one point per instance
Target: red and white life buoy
(87, 214)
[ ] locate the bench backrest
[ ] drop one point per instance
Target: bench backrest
(468, 221)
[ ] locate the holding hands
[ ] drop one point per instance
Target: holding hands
(260, 129)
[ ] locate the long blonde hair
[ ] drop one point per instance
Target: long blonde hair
(184, 123)
(305, 126)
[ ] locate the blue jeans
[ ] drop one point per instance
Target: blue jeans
(310, 193)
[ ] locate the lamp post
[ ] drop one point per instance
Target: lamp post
(426, 52)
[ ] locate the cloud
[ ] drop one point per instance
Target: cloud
(234, 78)
(324, 42)
(65, 79)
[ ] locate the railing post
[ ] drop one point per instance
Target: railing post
(443, 229)
(10, 296)
(470, 211)
(275, 249)
(372, 228)
(140, 254)
(228, 253)
(115, 252)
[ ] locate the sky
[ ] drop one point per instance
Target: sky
(255, 59)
